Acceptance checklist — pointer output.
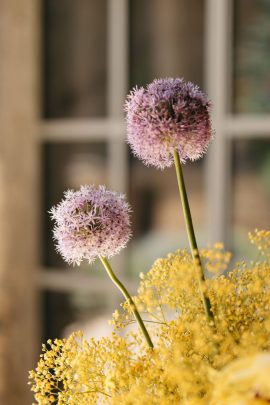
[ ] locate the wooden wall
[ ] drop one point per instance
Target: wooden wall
(19, 172)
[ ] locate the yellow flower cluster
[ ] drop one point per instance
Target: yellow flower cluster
(193, 362)
(261, 239)
(245, 381)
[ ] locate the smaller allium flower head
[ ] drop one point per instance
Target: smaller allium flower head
(91, 222)
(168, 114)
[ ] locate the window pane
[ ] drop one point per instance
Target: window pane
(166, 40)
(251, 191)
(67, 166)
(158, 222)
(65, 313)
(74, 58)
(252, 50)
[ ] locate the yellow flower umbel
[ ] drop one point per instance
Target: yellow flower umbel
(191, 363)
(244, 382)
(261, 239)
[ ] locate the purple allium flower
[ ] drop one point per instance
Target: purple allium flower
(91, 222)
(168, 114)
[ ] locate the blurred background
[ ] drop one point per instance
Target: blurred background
(65, 69)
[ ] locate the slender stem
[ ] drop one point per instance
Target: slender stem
(126, 294)
(191, 234)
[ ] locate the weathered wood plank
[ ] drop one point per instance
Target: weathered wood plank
(19, 111)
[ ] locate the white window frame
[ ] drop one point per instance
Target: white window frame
(228, 127)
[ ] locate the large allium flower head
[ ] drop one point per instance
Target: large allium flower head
(91, 222)
(168, 114)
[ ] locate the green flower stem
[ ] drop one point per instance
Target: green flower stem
(126, 294)
(191, 235)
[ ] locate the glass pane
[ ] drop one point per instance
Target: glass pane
(166, 40)
(65, 313)
(251, 191)
(67, 166)
(252, 62)
(158, 222)
(74, 58)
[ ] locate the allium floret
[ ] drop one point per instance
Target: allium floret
(91, 222)
(168, 114)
